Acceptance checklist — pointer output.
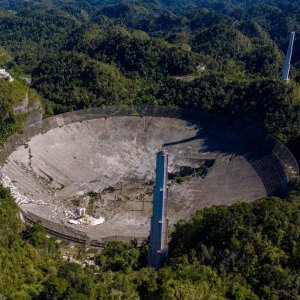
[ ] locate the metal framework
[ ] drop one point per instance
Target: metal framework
(287, 65)
(159, 222)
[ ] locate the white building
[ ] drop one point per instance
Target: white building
(6, 75)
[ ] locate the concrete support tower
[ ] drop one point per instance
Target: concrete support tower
(159, 222)
(287, 65)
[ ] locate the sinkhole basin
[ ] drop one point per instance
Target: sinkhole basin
(103, 160)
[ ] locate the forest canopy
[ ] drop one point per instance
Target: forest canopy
(216, 56)
(208, 55)
(242, 251)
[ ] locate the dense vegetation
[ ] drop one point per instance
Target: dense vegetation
(244, 251)
(12, 95)
(209, 55)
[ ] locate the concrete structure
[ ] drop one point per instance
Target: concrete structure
(158, 250)
(287, 65)
(6, 75)
(108, 151)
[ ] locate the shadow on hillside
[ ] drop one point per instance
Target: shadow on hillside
(218, 136)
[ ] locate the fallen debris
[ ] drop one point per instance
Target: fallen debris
(20, 199)
(81, 218)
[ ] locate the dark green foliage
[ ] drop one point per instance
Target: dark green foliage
(244, 251)
(7, 118)
(146, 52)
(10, 224)
(118, 256)
(76, 81)
(264, 60)
(13, 94)
(24, 263)
(217, 56)
(270, 102)
(222, 40)
(257, 243)
(70, 282)
(36, 235)
(30, 31)
(133, 52)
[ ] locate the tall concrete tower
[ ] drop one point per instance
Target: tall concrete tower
(287, 65)
(158, 251)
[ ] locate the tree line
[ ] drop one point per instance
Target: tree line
(242, 251)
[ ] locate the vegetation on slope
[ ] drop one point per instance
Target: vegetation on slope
(216, 56)
(244, 251)
(26, 254)
(5, 58)
(12, 94)
(76, 81)
(209, 55)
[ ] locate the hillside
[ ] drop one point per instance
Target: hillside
(239, 43)
(223, 57)
(18, 105)
(208, 55)
(244, 251)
